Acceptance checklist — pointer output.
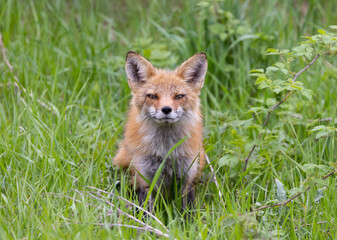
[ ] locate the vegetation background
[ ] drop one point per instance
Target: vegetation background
(63, 107)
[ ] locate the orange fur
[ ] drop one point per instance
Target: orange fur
(152, 90)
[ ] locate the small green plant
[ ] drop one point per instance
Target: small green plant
(281, 78)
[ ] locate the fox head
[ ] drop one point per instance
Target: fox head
(166, 96)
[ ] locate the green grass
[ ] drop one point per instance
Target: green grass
(70, 56)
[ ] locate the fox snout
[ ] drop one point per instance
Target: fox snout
(164, 106)
(165, 114)
(166, 110)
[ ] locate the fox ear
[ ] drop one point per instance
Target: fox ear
(194, 69)
(138, 69)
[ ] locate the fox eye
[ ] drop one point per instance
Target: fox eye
(152, 96)
(179, 96)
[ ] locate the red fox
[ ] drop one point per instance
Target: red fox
(164, 109)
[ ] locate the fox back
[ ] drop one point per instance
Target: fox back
(165, 108)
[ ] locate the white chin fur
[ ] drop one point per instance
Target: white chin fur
(165, 120)
(160, 117)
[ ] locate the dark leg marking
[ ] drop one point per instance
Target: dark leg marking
(188, 202)
(141, 199)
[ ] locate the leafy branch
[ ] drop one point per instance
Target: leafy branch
(278, 104)
(298, 194)
(323, 44)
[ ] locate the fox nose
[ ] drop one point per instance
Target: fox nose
(166, 110)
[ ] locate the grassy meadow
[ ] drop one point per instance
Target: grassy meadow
(64, 104)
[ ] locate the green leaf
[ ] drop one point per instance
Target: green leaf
(223, 36)
(290, 59)
(159, 54)
(279, 64)
(322, 133)
(204, 4)
(333, 27)
(227, 222)
(261, 78)
(321, 31)
(307, 37)
(319, 181)
(228, 160)
(319, 195)
(297, 85)
(311, 168)
(318, 128)
(278, 89)
(284, 71)
(307, 93)
(263, 85)
(284, 51)
(238, 123)
(217, 28)
(281, 193)
(257, 110)
(272, 51)
(294, 191)
(272, 68)
(260, 70)
(323, 130)
(277, 233)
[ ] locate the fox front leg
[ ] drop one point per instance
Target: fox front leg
(188, 198)
(142, 194)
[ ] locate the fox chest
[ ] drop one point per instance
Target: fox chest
(158, 142)
(156, 146)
